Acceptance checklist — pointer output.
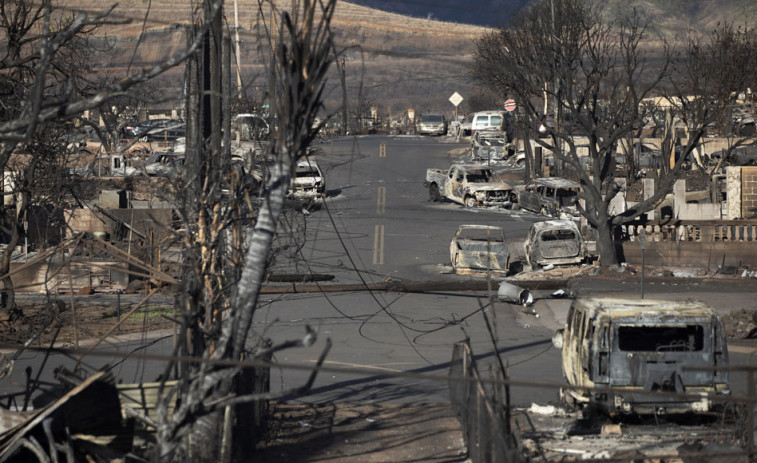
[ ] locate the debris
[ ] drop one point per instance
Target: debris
(549, 410)
(727, 270)
(687, 273)
(91, 414)
(611, 430)
(508, 292)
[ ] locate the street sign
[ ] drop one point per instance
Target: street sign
(510, 105)
(456, 99)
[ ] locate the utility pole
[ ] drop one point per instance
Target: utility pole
(236, 49)
(272, 60)
(342, 74)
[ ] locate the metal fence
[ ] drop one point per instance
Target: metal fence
(725, 434)
(481, 410)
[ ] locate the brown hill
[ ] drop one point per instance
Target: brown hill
(392, 61)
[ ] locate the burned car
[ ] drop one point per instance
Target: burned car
(550, 196)
(630, 349)
(468, 184)
(739, 156)
(489, 146)
(554, 242)
(479, 248)
(308, 182)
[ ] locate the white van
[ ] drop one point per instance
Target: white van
(487, 120)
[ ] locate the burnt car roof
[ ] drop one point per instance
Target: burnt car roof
(556, 182)
(487, 227)
(561, 223)
(625, 308)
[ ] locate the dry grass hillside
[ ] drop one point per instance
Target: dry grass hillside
(393, 61)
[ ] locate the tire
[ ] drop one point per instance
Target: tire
(433, 190)
(470, 201)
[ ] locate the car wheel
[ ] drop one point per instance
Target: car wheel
(433, 190)
(470, 201)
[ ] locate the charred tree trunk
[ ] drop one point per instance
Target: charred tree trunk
(605, 241)
(302, 61)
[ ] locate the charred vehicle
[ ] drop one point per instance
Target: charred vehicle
(308, 182)
(468, 184)
(550, 196)
(479, 248)
(489, 146)
(554, 242)
(630, 349)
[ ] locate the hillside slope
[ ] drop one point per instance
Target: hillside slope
(392, 61)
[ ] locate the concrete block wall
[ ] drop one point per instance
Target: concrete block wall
(86, 220)
(748, 192)
(694, 211)
(44, 276)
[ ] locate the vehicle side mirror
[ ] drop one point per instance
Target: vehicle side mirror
(557, 339)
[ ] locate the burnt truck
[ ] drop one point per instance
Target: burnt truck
(617, 354)
(468, 184)
(479, 248)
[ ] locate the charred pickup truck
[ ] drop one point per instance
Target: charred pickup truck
(479, 248)
(470, 185)
(620, 355)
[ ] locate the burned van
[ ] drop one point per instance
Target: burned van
(616, 354)
(554, 242)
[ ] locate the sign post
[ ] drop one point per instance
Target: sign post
(456, 99)
(643, 247)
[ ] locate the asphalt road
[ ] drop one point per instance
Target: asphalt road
(376, 224)
(378, 218)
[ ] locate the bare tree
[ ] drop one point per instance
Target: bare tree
(39, 79)
(221, 300)
(586, 80)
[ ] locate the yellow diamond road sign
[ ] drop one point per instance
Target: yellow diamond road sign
(456, 99)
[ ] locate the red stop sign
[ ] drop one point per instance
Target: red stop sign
(510, 105)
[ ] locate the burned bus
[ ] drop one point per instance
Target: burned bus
(617, 353)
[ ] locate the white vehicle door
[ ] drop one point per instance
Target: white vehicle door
(455, 186)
